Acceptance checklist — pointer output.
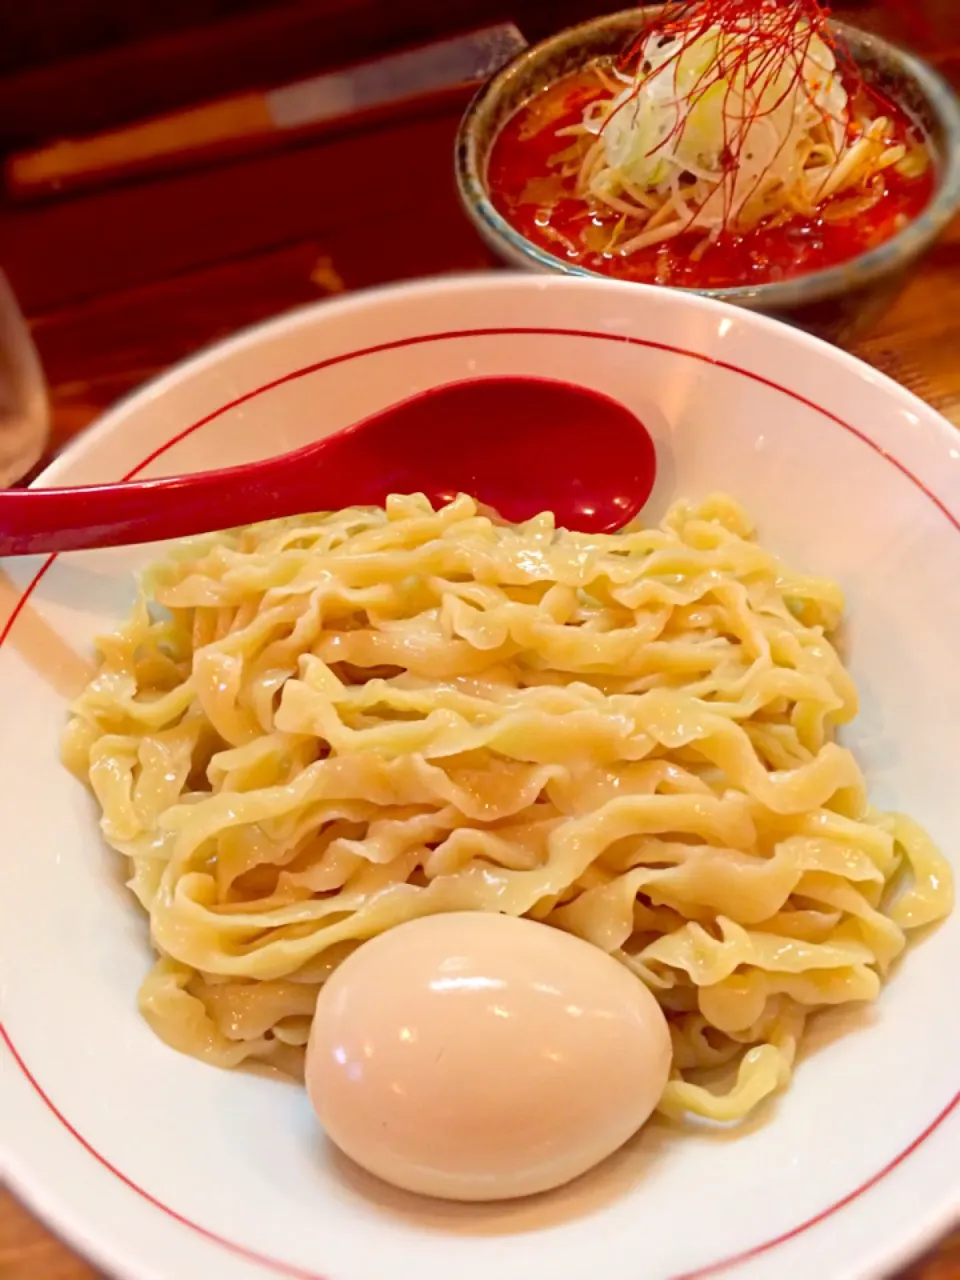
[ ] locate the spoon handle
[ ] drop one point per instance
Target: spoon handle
(43, 521)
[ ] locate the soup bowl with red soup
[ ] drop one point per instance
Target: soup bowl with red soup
(795, 171)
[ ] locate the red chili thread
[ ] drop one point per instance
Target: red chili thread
(757, 42)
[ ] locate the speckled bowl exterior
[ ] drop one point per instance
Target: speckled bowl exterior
(836, 303)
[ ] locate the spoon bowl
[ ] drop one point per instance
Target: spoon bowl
(517, 444)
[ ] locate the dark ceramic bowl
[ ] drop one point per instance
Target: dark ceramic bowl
(835, 303)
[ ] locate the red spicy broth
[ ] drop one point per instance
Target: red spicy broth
(528, 192)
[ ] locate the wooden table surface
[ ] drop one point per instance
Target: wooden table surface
(120, 284)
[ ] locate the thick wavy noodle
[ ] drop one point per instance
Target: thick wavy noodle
(315, 729)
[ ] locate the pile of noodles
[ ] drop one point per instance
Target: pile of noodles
(315, 729)
(721, 135)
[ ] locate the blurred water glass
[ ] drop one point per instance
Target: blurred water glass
(24, 406)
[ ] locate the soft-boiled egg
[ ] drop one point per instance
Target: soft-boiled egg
(474, 1056)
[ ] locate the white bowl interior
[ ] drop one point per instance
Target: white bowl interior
(846, 475)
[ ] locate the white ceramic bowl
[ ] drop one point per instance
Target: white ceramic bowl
(158, 1166)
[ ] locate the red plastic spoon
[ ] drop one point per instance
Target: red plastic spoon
(521, 445)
